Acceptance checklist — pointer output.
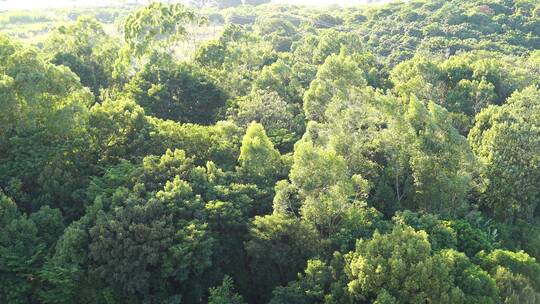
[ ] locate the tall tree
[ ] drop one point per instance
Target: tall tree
(43, 138)
(507, 140)
(177, 91)
(87, 50)
(224, 294)
(407, 255)
(157, 25)
(337, 78)
(279, 247)
(259, 161)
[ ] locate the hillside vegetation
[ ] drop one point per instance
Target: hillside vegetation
(271, 154)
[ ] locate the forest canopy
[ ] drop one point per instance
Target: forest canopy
(230, 153)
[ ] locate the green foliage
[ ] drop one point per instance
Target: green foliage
(179, 92)
(404, 254)
(86, 49)
(456, 234)
(395, 154)
(43, 132)
(25, 242)
(279, 247)
(278, 30)
(515, 288)
(470, 239)
(510, 194)
(211, 54)
(440, 233)
(520, 236)
(464, 84)
(260, 162)
(321, 283)
(274, 114)
(449, 152)
(117, 128)
(279, 78)
(236, 59)
(358, 222)
(224, 294)
(277, 154)
(157, 25)
(322, 180)
(336, 78)
(127, 245)
(477, 285)
(516, 273)
(442, 27)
